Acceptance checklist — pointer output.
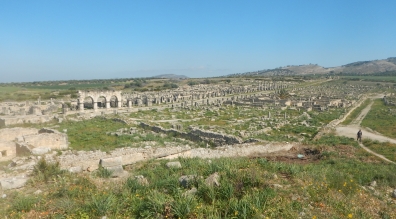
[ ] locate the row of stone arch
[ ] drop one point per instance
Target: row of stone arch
(99, 99)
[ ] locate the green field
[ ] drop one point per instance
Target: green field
(356, 112)
(386, 149)
(372, 78)
(381, 118)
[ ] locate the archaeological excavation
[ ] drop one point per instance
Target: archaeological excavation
(111, 136)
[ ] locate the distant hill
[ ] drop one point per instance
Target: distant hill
(171, 76)
(361, 67)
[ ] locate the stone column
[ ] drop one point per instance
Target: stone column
(80, 105)
(107, 104)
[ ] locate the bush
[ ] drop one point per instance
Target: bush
(44, 171)
(103, 172)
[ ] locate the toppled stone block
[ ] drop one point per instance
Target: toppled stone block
(191, 192)
(111, 161)
(213, 180)
(40, 150)
(22, 149)
(116, 171)
(7, 150)
(175, 164)
(77, 169)
(186, 180)
(13, 183)
(112, 164)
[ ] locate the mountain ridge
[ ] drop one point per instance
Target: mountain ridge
(359, 67)
(170, 76)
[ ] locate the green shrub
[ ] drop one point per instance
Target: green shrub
(103, 172)
(183, 206)
(23, 203)
(100, 204)
(44, 171)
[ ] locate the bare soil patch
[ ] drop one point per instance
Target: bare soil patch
(298, 154)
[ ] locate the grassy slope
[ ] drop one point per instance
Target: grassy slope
(386, 149)
(381, 118)
(356, 112)
(249, 188)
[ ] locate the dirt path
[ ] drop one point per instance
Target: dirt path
(378, 155)
(352, 129)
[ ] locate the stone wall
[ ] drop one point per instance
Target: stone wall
(10, 134)
(7, 150)
(197, 135)
(25, 141)
(57, 141)
(15, 120)
(217, 138)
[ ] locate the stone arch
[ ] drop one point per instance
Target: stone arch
(101, 102)
(114, 102)
(89, 102)
(100, 98)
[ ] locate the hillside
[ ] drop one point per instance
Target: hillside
(360, 67)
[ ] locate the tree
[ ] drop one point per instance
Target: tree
(283, 94)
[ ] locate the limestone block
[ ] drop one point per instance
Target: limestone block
(191, 192)
(7, 150)
(186, 180)
(49, 140)
(13, 183)
(22, 149)
(40, 150)
(132, 158)
(116, 171)
(175, 164)
(111, 161)
(213, 180)
(10, 134)
(77, 169)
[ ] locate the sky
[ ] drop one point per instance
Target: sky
(95, 39)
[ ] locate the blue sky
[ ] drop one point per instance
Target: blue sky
(93, 39)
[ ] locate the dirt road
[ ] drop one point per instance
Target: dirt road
(352, 129)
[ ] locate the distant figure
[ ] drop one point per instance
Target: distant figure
(359, 135)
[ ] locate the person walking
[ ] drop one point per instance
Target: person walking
(359, 135)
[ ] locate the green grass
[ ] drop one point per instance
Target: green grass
(91, 135)
(381, 118)
(353, 115)
(386, 149)
(371, 78)
(329, 188)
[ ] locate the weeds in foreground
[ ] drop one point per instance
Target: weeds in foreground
(103, 173)
(248, 188)
(386, 149)
(44, 171)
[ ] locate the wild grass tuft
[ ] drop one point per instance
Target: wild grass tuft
(44, 171)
